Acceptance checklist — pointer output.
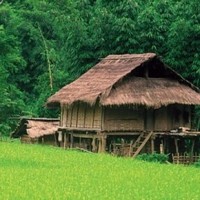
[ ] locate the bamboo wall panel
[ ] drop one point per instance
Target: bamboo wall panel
(69, 115)
(81, 116)
(149, 119)
(124, 118)
(89, 116)
(74, 116)
(61, 116)
(97, 117)
(64, 116)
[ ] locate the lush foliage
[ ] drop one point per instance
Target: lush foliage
(46, 44)
(155, 157)
(36, 172)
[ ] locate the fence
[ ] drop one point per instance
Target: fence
(185, 159)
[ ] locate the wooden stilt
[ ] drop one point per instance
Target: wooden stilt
(43, 140)
(94, 148)
(55, 140)
(176, 145)
(103, 148)
(152, 145)
(100, 145)
(65, 140)
(161, 148)
(71, 140)
(192, 148)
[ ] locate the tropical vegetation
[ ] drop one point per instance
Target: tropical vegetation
(46, 44)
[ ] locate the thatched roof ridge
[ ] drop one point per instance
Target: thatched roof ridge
(36, 127)
(99, 79)
(108, 83)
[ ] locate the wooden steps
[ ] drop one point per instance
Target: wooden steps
(139, 144)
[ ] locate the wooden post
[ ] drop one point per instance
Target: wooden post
(100, 145)
(176, 145)
(71, 140)
(161, 148)
(65, 140)
(42, 139)
(192, 148)
(55, 139)
(103, 147)
(152, 145)
(94, 148)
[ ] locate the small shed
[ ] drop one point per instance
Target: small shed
(127, 104)
(37, 130)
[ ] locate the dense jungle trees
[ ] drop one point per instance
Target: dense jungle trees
(47, 44)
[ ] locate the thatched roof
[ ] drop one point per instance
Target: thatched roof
(113, 82)
(154, 92)
(36, 127)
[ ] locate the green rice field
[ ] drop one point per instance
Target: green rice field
(42, 172)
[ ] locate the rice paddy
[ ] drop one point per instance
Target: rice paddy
(42, 172)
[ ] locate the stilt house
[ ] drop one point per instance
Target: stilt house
(127, 104)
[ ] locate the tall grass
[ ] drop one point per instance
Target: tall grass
(38, 172)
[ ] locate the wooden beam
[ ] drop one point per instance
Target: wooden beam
(86, 135)
(122, 133)
(79, 129)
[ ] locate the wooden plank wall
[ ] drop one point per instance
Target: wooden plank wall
(162, 121)
(179, 112)
(172, 117)
(81, 115)
(124, 119)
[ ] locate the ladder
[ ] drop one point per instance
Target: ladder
(140, 143)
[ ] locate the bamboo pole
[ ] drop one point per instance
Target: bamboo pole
(47, 56)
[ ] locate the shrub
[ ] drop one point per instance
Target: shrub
(197, 164)
(159, 158)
